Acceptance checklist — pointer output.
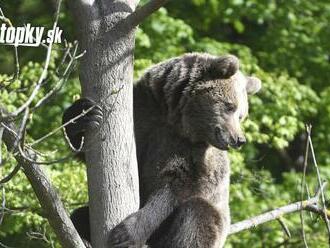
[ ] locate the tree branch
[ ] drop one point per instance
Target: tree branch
(45, 192)
(140, 14)
(308, 205)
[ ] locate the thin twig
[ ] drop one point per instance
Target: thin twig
(319, 211)
(39, 236)
(65, 55)
(22, 129)
(13, 132)
(34, 161)
(60, 83)
(1, 133)
(3, 204)
(10, 175)
(83, 113)
(17, 66)
(303, 182)
(5, 246)
(21, 146)
(41, 78)
(309, 196)
(320, 183)
(44, 190)
(46, 194)
(284, 227)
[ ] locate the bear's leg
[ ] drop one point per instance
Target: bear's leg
(195, 224)
(80, 220)
(136, 229)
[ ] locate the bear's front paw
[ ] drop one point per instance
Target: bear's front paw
(120, 237)
(82, 116)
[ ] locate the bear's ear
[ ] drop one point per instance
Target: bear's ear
(253, 85)
(226, 66)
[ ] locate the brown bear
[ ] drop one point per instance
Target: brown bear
(187, 114)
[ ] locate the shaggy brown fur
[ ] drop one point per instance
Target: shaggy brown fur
(187, 113)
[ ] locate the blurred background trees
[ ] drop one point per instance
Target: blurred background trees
(285, 43)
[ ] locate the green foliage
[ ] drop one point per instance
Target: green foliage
(25, 215)
(162, 37)
(285, 35)
(284, 43)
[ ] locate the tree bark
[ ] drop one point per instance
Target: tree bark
(106, 76)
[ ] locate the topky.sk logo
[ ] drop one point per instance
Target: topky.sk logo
(28, 35)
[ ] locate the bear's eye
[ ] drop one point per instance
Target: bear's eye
(230, 107)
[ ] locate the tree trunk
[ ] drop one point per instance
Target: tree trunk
(106, 75)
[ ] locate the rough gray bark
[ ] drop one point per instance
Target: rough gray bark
(46, 194)
(106, 75)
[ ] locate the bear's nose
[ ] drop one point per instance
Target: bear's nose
(241, 140)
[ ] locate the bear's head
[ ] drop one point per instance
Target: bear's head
(214, 109)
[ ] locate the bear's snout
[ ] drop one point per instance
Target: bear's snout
(225, 138)
(240, 141)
